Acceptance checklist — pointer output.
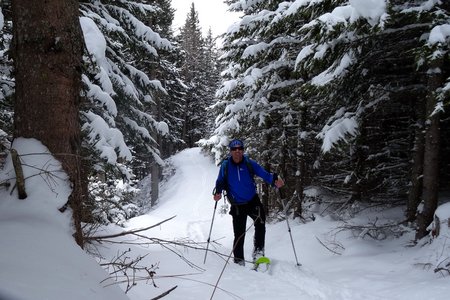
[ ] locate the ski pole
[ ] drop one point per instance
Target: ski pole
(289, 227)
(210, 230)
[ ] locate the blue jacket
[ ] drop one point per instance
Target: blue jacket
(239, 183)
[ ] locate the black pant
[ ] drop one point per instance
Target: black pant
(255, 210)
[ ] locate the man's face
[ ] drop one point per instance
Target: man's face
(237, 154)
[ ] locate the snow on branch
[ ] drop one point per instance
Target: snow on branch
(335, 71)
(344, 125)
(439, 34)
(94, 92)
(143, 31)
(106, 139)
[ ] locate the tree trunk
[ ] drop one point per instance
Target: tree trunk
(301, 165)
(265, 199)
(155, 168)
(431, 155)
(47, 49)
(154, 183)
(415, 191)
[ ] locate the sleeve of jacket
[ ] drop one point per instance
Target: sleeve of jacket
(220, 181)
(262, 173)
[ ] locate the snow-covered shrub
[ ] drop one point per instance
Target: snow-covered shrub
(144, 187)
(440, 243)
(113, 201)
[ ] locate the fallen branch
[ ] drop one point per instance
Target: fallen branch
(102, 237)
(440, 270)
(122, 263)
(164, 294)
(5, 184)
(374, 231)
(163, 243)
(20, 181)
(130, 271)
(331, 250)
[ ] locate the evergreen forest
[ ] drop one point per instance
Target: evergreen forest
(349, 104)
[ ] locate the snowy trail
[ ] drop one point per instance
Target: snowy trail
(37, 239)
(365, 270)
(188, 196)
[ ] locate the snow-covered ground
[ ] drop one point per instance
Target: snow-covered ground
(39, 259)
(38, 256)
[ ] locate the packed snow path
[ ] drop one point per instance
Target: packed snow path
(366, 274)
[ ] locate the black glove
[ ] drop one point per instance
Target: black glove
(275, 178)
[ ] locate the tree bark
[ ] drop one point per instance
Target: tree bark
(415, 191)
(154, 183)
(431, 154)
(20, 180)
(47, 47)
(300, 176)
(265, 162)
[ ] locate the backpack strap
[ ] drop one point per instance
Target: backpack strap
(224, 166)
(250, 167)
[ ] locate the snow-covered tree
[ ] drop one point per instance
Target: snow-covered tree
(119, 116)
(212, 79)
(330, 89)
(199, 74)
(132, 87)
(130, 80)
(47, 67)
(6, 80)
(434, 59)
(259, 101)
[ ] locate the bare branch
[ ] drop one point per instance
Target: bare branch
(375, 231)
(129, 271)
(331, 250)
(164, 294)
(102, 237)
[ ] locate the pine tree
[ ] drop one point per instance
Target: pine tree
(130, 85)
(47, 49)
(301, 71)
(212, 80)
(435, 58)
(256, 100)
(125, 88)
(194, 70)
(6, 80)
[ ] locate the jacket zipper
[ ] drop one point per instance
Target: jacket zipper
(238, 173)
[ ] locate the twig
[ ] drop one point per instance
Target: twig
(101, 237)
(5, 184)
(442, 269)
(175, 252)
(122, 264)
(180, 276)
(332, 251)
(162, 242)
(164, 294)
(373, 230)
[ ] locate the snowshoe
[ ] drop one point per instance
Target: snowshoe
(261, 264)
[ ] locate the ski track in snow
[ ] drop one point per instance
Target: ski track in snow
(190, 199)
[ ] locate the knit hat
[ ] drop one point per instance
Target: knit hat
(236, 143)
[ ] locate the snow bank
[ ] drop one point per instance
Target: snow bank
(39, 258)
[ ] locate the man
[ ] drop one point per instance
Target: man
(236, 178)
